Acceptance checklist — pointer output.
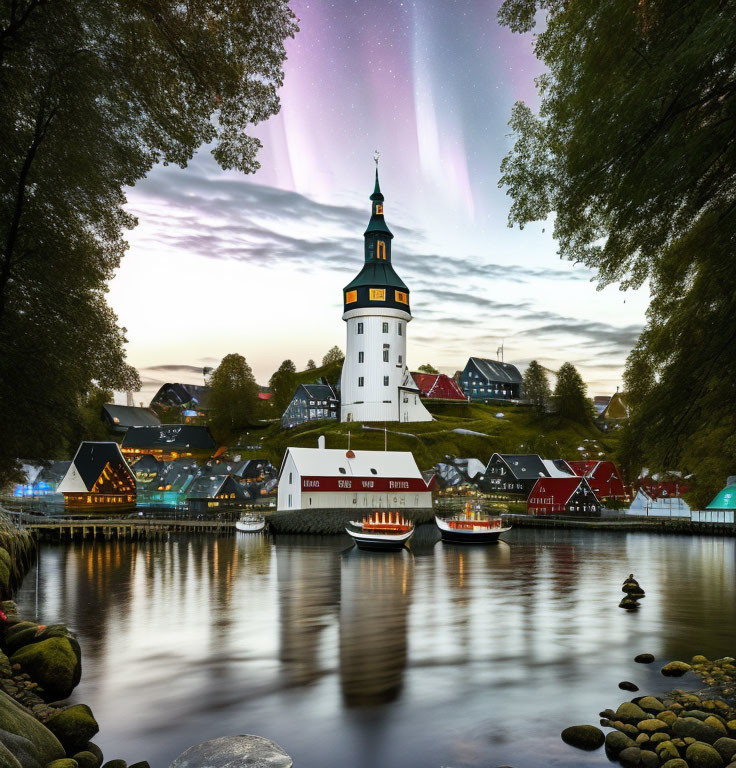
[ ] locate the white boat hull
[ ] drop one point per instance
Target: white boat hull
(476, 535)
(380, 541)
(250, 527)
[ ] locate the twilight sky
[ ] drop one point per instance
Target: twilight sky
(221, 262)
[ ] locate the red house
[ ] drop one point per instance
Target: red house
(563, 496)
(438, 386)
(604, 477)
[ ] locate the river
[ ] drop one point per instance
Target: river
(442, 657)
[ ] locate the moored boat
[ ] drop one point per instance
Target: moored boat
(472, 526)
(382, 531)
(250, 523)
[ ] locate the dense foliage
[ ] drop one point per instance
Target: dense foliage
(536, 388)
(570, 395)
(282, 384)
(634, 151)
(233, 398)
(333, 355)
(427, 368)
(92, 94)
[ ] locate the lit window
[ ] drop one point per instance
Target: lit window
(360, 381)
(378, 294)
(361, 357)
(402, 297)
(351, 296)
(381, 250)
(379, 209)
(385, 327)
(385, 381)
(385, 355)
(360, 327)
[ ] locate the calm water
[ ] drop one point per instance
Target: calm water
(442, 657)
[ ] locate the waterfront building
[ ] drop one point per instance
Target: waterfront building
(169, 487)
(563, 496)
(40, 480)
(146, 469)
(215, 493)
(484, 380)
(512, 476)
(120, 418)
(647, 505)
(438, 386)
(333, 478)
(98, 478)
(375, 384)
(605, 478)
(723, 507)
(169, 441)
(311, 402)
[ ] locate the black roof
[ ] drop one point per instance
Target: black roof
(173, 393)
(170, 436)
(148, 463)
(178, 473)
(495, 370)
(317, 391)
(524, 466)
(130, 416)
(91, 458)
(208, 486)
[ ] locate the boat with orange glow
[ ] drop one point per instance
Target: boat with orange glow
(471, 526)
(382, 531)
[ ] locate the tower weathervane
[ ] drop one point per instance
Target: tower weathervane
(376, 156)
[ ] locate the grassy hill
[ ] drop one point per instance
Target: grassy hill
(519, 431)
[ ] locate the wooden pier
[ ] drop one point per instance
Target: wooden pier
(57, 529)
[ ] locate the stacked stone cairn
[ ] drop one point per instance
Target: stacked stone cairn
(634, 593)
(683, 729)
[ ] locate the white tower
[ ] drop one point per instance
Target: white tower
(376, 384)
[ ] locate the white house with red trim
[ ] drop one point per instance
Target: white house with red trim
(334, 478)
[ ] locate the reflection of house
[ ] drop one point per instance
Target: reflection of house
(331, 478)
(604, 477)
(40, 480)
(484, 379)
(563, 496)
(311, 402)
(99, 477)
(438, 386)
(214, 493)
(169, 441)
(121, 417)
(513, 475)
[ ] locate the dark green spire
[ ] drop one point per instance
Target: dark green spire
(377, 225)
(377, 190)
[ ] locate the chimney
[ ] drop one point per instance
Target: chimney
(321, 442)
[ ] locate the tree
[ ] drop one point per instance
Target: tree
(427, 368)
(282, 385)
(334, 355)
(233, 398)
(311, 365)
(92, 95)
(536, 387)
(570, 397)
(633, 150)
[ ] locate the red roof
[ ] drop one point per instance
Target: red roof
(551, 494)
(265, 395)
(604, 477)
(438, 385)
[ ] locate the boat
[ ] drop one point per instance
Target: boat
(382, 530)
(471, 526)
(250, 523)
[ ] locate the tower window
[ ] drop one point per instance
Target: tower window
(402, 297)
(361, 380)
(400, 359)
(360, 327)
(401, 329)
(385, 381)
(385, 327)
(361, 356)
(378, 294)
(351, 296)
(379, 209)
(380, 250)
(385, 355)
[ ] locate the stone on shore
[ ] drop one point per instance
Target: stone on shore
(15, 720)
(73, 727)
(8, 759)
(651, 726)
(243, 751)
(96, 751)
(644, 658)
(23, 751)
(87, 759)
(692, 728)
(630, 757)
(583, 736)
(617, 741)
(53, 664)
(631, 713)
(676, 762)
(726, 748)
(115, 764)
(66, 762)
(141, 764)
(650, 704)
(700, 755)
(675, 669)
(625, 685)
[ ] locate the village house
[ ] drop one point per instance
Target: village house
(169, 486)
(311, 402)
(120, 418)
(563, 496)
(512, 476)
(438, 386)
(215, 493)
(483, 380)
(604, 477)
(334, 478)
(40, 479)
(98, 478)
(169, 441)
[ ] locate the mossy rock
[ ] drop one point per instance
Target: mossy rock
(4, 577)
(53, 664)
(19, 626)
(653, 725)
(115, 764)
(676, 762)
(16, 720)
(644, 658)
(726, 748)
(141, 764)
(8, 759)
(26, 636)
(699, 659)
(648, 759)
(667, 716)
(86, 759)
(583, 736)
(716, 724)
(73, 727)
(617, 741)
(695, 730)
(96, 751)
(701, 755)
(5, 557)
(650, 704)
(628, 712)
(67, 762)
(630, 757)
(675, 669)
(625, 685)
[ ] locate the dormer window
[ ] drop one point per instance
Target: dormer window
(381, 250)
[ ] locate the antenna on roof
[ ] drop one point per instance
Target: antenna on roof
(499, 352)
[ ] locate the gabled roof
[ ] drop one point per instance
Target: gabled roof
(495, 370)
(617, 407)
(88, 463)
(524, 466)
(557, 468)
(125, 416)
(558, 489)
(208, 486)
(583, 468)
(170, 437)
(173, 393)
(725, 499)
(147, 463)
(327, 462)
(318, 391)
(438, 385)
(178, 474)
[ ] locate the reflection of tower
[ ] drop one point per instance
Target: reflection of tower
(308, 580)
(375, 593)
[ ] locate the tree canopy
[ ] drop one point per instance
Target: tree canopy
(311, 365)
(536, 387)
(427, 368)
(92, 95)
(570, 398)
(233, 398)
(634, 151)
(333, 355)
(282, 385)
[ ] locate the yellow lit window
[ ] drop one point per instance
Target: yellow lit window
(381, 250)
(401, 297)
(379, 209)
(378, 294)
(351, 296)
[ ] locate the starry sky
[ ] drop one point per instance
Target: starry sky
(221, 262)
